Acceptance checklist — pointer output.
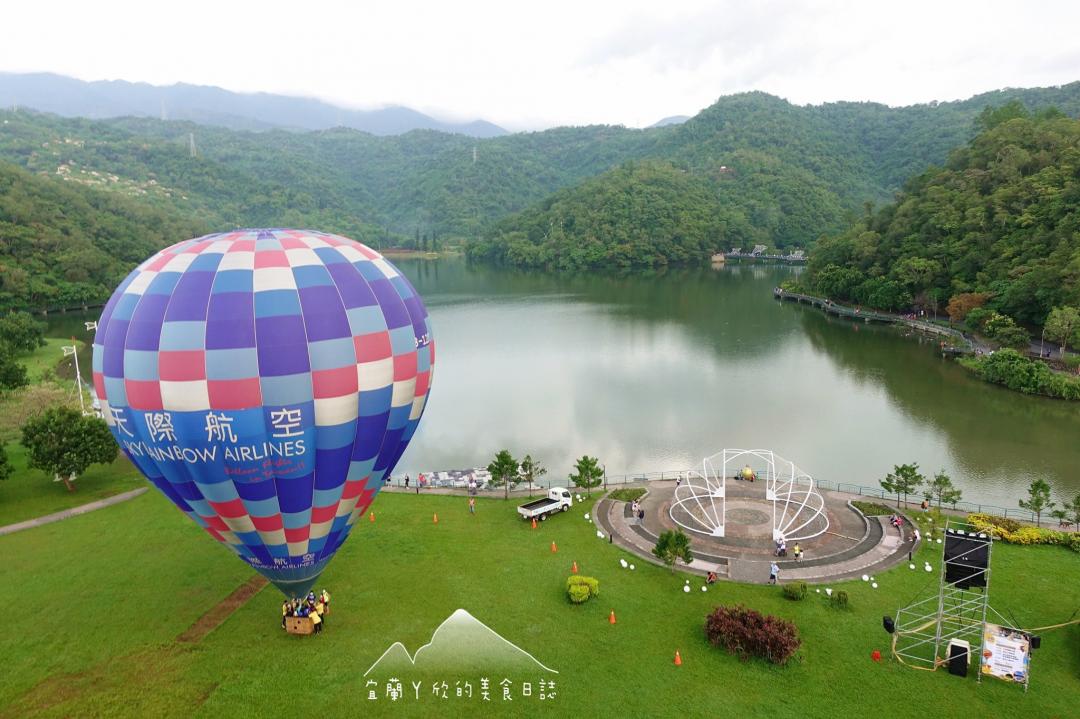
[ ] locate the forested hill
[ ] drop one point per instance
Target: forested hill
(778, 174)
(63, 244)
(641, 214)
(1001, 220)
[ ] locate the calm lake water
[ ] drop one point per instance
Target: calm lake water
(653, 373)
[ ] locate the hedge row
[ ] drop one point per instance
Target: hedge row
(1014, 532)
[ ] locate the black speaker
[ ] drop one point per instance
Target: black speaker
(958, 660)
(966, 559)
(888, 623)
(1036, 641)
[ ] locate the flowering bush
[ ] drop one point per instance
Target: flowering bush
(748, 633)
(1011, 531)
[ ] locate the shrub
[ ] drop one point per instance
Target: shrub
(626, 495)
(1011, 531)
(748, 633)
(796, 591)
(872, 509)
(839, 599)
(580, 589)
(1017, 372)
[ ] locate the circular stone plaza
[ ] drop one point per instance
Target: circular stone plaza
(741, 504)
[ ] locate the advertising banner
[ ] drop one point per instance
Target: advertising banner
(1006, 653)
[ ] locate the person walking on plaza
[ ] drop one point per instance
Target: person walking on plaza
(774, 573)
(798, 551)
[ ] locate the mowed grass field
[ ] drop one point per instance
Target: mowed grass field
(96, 603)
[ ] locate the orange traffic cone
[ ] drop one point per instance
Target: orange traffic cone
(534, 522)
(371, 517)
(554, 548)
(435, 518)
(611, 619)
(573, 569)
(678, 659)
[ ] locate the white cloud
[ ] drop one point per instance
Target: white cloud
(532, 65)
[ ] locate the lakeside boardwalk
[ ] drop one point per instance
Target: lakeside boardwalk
(959, 343)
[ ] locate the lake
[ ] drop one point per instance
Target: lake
(652, 373)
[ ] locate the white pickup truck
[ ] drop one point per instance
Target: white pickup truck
(558, 500)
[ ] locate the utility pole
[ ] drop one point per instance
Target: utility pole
(191, 143)
(474, 154)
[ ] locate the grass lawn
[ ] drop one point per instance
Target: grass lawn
(32, 493)
(112, 589)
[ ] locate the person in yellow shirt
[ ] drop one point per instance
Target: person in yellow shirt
(316, 620)
(286, 609)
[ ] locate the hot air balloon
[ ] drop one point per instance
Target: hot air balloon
(266, 381)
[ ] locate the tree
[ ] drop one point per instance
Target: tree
(904, 480)
(64, 443)
(671, 545)
(21, 332)
(942, 489)
(1063, 326)
(1038, 500)
(504, 470)
(588, 473)
(531, 470)
(12, 372)
(960, 304)
(1074, 511)
(6, 469)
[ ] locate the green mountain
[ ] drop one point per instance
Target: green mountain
(1000, 217)
(64, 244)
(759, 171)
(641, 214)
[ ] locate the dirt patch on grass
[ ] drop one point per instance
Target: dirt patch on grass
(149, 682)
(213, 618)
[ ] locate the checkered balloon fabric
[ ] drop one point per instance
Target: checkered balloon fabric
(266, 381)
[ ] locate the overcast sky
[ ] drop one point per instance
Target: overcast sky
(538, 64)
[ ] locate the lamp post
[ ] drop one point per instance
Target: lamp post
(1042, 344)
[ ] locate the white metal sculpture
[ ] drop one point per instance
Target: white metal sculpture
(700, 500)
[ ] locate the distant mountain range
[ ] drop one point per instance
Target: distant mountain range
(209, 105)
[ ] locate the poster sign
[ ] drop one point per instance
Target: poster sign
(1006, 653)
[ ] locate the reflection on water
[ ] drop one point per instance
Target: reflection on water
(652, 372)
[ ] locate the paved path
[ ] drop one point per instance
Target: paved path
(73, 512)
(883, 551)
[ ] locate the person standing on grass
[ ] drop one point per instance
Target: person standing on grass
(774, 573)
(472, 505)
(286, 608)
(406, 481)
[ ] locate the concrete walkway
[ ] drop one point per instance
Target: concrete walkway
(880, 549)
(73, 512)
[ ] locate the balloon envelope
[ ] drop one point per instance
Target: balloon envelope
(266, 381)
